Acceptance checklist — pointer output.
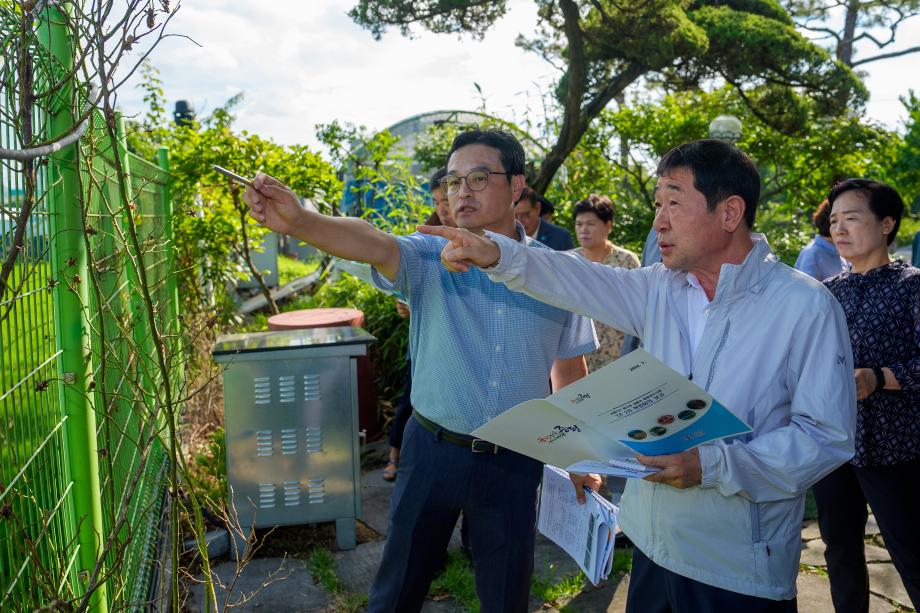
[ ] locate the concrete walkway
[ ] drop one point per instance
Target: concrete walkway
(275, 584)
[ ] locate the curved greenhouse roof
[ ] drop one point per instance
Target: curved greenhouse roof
(408, 132)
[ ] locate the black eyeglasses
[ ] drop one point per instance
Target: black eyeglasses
(476, 181)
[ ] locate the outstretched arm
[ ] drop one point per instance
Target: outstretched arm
(277, 208)
(614, 296)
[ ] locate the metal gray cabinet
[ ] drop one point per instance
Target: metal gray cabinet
(291, 427)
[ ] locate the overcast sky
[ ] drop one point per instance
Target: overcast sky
(304, 63)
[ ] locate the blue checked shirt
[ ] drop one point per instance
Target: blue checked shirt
(477, 348)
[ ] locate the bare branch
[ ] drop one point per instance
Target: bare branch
(64, 141)
(885, 56)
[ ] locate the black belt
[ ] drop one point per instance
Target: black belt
(476, 445)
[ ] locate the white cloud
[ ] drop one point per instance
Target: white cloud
(300, 64)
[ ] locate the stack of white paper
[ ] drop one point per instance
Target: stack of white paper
(585, 532)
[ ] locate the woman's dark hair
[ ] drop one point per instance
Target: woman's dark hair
(884, 200)
(434, 181)
(602, 206)
(510, 149)
(719, 171)
(822, 218)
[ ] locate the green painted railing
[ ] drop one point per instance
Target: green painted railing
(83, 467)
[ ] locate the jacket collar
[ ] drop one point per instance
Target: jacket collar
(749, 276)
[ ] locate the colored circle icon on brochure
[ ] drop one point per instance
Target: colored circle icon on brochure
(696, 404)
(664, 420)
(688, 414)
(637, 434)
(658, 431)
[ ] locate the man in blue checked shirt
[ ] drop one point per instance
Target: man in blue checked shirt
(477, 349)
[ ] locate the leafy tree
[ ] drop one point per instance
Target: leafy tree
(844, 23)
(797, 170)
(906, 166)
(212, 232)
(603, 47)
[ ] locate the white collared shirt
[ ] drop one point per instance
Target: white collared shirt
(697, 312)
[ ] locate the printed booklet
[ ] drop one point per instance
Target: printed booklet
(584, 531)
(598, 424)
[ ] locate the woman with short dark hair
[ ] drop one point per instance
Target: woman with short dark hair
(881, 299)
(593, 223)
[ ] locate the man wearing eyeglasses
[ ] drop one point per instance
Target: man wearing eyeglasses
(477, 349)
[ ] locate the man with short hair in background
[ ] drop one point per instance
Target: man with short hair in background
(527, 212)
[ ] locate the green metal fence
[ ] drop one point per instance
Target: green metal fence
(82, 462)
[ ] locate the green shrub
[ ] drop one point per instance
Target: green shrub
(208, 472)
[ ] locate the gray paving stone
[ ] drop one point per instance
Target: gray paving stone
(266, 584)
(375, 501)
(357, 567)
(810, 530)
(441, 606)
(813, 553)
(609, 597)
(884, 580)
(877, 554)
(872, 526)
(815, 596)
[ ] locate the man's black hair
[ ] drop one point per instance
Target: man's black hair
(434, 181)
(512, 153)
(545, 205)
(884, 200)
(719, 171)
(529, 195)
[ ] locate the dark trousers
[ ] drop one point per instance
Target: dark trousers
(437, 480)
(892, 493)
(654, 589)
(403, 410)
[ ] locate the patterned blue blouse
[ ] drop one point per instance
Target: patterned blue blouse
(883, 315)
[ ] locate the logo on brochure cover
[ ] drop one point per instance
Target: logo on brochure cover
(579, 398)
(557, 433)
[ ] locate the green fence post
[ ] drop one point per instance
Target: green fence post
(143, 335)
(171, 284)
(69, 265)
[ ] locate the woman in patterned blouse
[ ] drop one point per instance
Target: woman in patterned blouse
(593, 222)
(881, 300)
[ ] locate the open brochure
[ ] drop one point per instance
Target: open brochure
(635, 404)
(584, 531)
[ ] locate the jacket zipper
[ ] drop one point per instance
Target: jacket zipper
(715, 356)
(755, 525)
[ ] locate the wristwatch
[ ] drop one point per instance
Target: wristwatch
(879, 378)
